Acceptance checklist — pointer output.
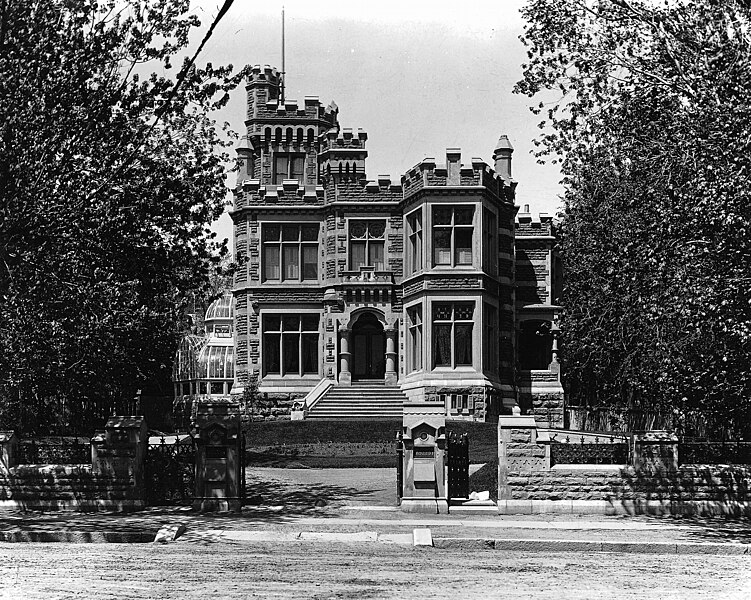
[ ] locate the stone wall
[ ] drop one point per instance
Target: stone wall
(273, 407)
(66, 487)
(113, 481)
(653, 484)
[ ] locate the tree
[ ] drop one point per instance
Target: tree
(651, 127)
(108, 182)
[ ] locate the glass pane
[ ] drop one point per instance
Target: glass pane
(298, 167)
(281, 163)
(291, 322)
(463, 216)
(358, 255)
(291, 258)
(291, 353)
(203, 387)
(463, 343)
(310, 353)
(442, 345)
(217, 387)
(290, 233)
(271, 262)
(441, 312)
(357, 229)
(442, 246)
(376, 229)
(271, 233)
(186, 389)
(463, 312)
(375, 250)
(463, 246)
(310, 233)
(309, 322)
(441, 216)
(271, 322)
(310, 262)
(271, 353)
(229, 363)
(416, 340)
(215, 363)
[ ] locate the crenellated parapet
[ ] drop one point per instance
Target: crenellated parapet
(252, 193)
(428, 173)
(534, 225)
(362, 190)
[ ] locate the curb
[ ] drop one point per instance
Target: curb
(79, 537)
(516, 545)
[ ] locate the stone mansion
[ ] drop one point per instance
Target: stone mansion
(353, 291)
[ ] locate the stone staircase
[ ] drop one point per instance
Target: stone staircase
(360, 401)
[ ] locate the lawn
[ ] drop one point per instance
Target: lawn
(345, 444)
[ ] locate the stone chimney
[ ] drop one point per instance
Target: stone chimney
(502, 157)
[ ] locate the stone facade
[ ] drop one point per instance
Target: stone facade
(419, 283)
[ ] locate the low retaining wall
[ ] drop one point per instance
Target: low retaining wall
(66, 487)
(654, 484)
(113, 480)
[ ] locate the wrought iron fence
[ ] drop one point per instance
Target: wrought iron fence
(63, 452)
(591, 451)
(169, 472)
(691, 452)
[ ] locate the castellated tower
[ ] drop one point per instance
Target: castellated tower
(355, 294)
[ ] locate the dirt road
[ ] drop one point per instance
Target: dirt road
(369, 570)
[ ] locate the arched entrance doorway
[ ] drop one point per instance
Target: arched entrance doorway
(368, 348)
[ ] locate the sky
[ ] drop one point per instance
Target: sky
(418, 77)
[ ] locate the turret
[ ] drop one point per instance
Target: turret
(502, 157)
(343, 155)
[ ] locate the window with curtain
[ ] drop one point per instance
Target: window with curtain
(452, 334)
(489, 243)
(490, 338)
(366, 244)
(289, 166)
(414, 244)
(414, 316)
(290, 344)
(290, 251)
(452, 235)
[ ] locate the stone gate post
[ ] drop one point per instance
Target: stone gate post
(521, 447)
(218, 455)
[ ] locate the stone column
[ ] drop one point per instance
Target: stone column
(391, 375)
(655, 451)
(345, 376)
(555, 366)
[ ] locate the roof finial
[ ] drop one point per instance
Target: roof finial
(281, 86)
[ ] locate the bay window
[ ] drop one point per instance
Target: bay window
(452, 235)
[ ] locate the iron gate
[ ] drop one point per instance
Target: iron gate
(169, 471)
(458, 451)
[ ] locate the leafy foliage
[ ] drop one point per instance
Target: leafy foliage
(108, 182)
(652, 131)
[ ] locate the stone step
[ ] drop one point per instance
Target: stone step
(358, 401)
